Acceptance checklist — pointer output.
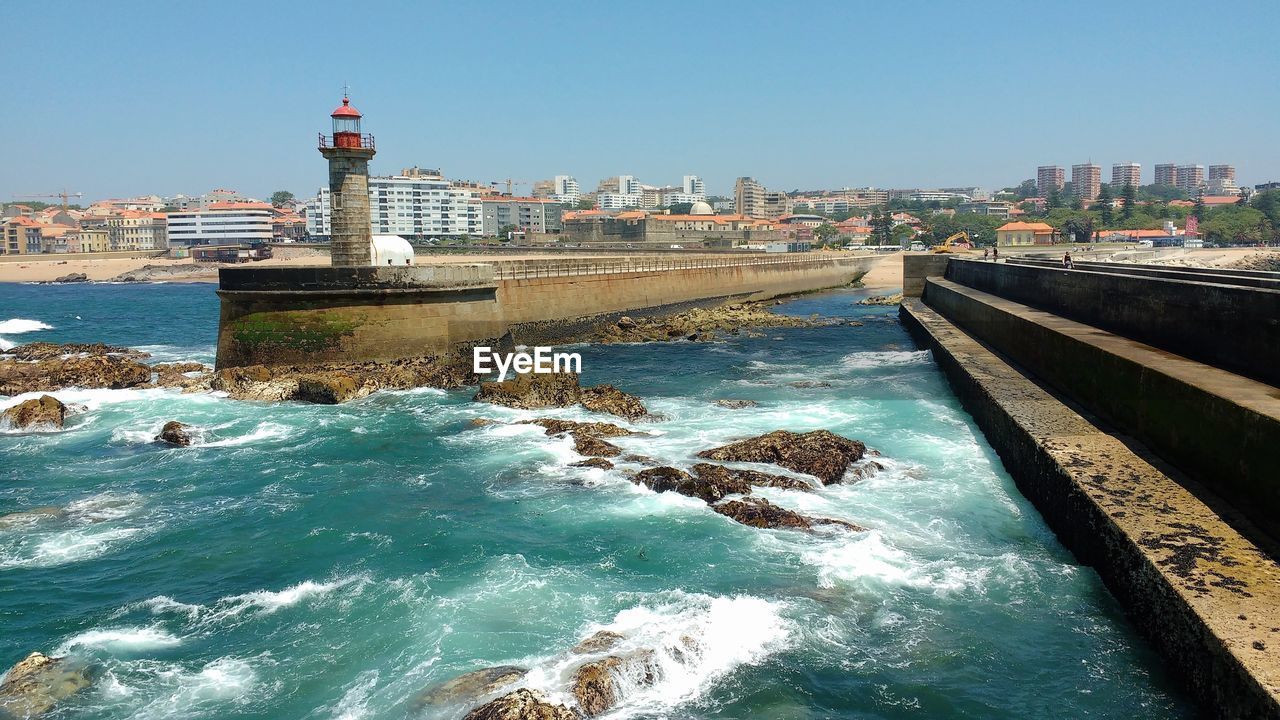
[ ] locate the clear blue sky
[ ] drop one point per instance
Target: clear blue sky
(123, 99)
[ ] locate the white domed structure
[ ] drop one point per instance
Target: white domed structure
(390, 250)
(701, 208)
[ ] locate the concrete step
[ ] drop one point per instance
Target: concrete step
(1216, 276)
(1205, 596)
(1222, 429)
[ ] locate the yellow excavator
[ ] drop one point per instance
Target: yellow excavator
(950, 245)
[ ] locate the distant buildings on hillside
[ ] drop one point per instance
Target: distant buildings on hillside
(1190, 179)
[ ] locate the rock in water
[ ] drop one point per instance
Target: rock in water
(598, 642)
(532, 391)
(594, 447)
(882, 300)
(708, 489)
(760, 513)
(174, 433)
(820, 453)
(595, 684)
(523, 704)
(470, 686)
(38, 370)
(609, 399)
(33, 686)
(555, 426)
(723, 475)
(594, 462)
(328, 388)
(34, 515)
(44, 411)
(736, 404)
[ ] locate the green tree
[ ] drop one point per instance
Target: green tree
(680, 208)
(1267, 202)
(504, 232)
(901, 235)
(1103, 204)
(1198, 210)
(280, 198)
(585, 204)
(1079, 228)
(1054, 200)
(1129, 195)
(1234, 224)
(825, 233)
(1026, 189)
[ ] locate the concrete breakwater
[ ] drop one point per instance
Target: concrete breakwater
(1184, 564)
(315, 315)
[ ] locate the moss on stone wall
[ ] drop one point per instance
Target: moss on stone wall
(292, 331)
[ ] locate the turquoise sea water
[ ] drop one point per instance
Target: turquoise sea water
(332, 561)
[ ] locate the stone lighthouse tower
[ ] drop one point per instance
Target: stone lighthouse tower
(348, 153)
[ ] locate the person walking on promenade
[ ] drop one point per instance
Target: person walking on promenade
(986, 252)
(995, 254)
(1066, 261)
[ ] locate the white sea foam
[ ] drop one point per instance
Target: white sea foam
(354, 704)
(120, 640)
(194, 693)
(696, 641)
(75, 545)
(888, 358)
(94, 399)
(258, 602)
(16, 326)
(264, 431)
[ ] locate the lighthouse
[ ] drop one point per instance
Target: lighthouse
(348, 152)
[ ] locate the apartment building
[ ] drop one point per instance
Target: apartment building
(527, 214)
(1048, 179)
(752, 199)
(418, 205)
(1190, 179)
(1167, 174)
(219, 223)
(1126, 174)
(1086, 181)
(137, 230)
(21, 236)
(1222, 172)
(566, 190)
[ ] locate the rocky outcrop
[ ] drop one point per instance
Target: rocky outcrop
(174, 433)
(723, 475)
(37, 683)
(595, 462)
(820, 453)
(32, 516)
(737, 404)
(555, 426)
(598, 642)
(894, 299)
(469, 686)
(760, 513)
(177, 375)
(594, 447)
(70, 278)
(609, 399)
(46, 367)
(534, 391)
(339, 382)
(595, 684)
(698, 325)
(709, 489)
(45, 411)
(523, 704)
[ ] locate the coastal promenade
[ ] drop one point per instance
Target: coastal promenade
(1130, 409)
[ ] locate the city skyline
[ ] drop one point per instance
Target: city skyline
(138, 124)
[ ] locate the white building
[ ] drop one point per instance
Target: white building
(423, 206)
(693, 185)
(567, 190)
(220, 224)
(619, 201)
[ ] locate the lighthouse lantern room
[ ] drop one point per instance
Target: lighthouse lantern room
(346, 126)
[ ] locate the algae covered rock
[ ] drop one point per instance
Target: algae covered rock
(760, 513)
(609, 399)
(820, 453)
(723, 475)
(174, 433)
(709, 489)
(45, 411)
(532, 391)
(37, 683)
(470, 686)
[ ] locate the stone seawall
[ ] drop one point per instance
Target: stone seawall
(1206, 597)
(318, 315)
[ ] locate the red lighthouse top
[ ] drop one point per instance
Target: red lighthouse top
(345, 110)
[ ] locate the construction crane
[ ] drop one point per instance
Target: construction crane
(509, 182)
(66, 196)
(949, 245)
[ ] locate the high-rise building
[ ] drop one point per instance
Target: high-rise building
(422, 206)
(1190, 178)
(219, 223)
(1048, 179)
(1167, 174)
(753, 200)
(693, 185)
(566, 189)
(1222, 172)
(1126, 174)
(524, 214)
(1086, 181)
(544, 188)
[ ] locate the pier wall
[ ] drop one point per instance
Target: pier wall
(317, 315)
